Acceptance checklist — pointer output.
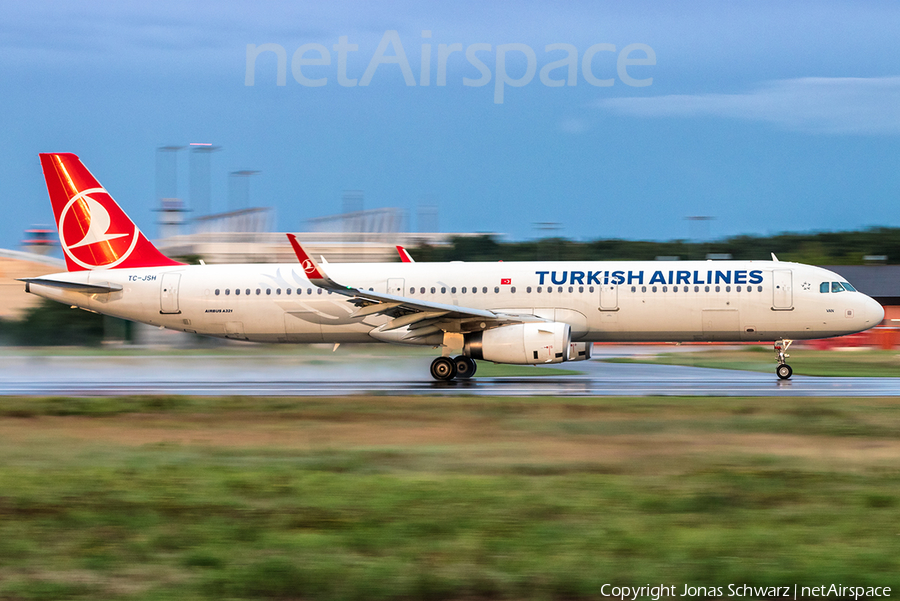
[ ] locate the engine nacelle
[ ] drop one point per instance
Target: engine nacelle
(522, 344)
(580, 351)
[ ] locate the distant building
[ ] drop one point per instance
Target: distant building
(40, 239)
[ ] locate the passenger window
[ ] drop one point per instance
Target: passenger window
(538, 289)
(848, 287)
(484, 290)
(463, 289)
(287, 291)
(665, 288)
(278, 291)
(737, 288)
(727, 288)
(706, 289)
(591, 289)
(759, 288)
(237, 291)
(268, 291)
(653, 289)
(474, 290)
(634, 288)
(319, 291)
(685, 288)
(513, 289)
(823, 287)
(496, 289)
(227, 291)
(247, 292)
(581, 289)
(836, 287)
(257, 291)
(718, 288)
(559, 289)
(571, 289)
(308, 291)
(528, 289)
(643, 289)
(696, 288)
(217, 292)
(674, 288)
(453, 290)
(422, 290)
(432, 290)
(412, 290)
(443, 290)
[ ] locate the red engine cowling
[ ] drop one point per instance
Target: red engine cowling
(521, 344)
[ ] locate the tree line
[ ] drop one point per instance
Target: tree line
(817, 248)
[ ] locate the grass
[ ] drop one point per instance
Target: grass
(442, 498)
(859, 363)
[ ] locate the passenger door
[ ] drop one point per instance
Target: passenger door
(782, 295)
(168, 293)
(609, 297)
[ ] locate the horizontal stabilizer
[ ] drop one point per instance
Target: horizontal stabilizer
(74, 286)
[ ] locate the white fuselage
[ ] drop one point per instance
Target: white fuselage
(601, 301)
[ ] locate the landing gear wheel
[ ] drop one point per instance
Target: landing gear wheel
(784, 371)
(443, 368)
(465, 367)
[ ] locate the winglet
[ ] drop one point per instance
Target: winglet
(774, 258)
(404, 255)
(309, 265)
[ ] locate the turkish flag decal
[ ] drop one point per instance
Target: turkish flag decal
(506, 281)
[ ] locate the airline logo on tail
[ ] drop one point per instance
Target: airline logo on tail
(95, 233)
(87, 235)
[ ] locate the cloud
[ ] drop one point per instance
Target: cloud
(829, 105)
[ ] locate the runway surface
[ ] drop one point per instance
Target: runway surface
(286, 375)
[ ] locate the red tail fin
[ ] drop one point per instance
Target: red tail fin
(95, 233)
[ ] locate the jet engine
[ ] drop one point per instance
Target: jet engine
(522, 344)
(580, 351)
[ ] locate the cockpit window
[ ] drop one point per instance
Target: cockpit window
(824, 287)
(848, 287)
(836, 287)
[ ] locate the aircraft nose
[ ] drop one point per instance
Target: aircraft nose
(873, 312)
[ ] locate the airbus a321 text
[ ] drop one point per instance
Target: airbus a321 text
(505, 312)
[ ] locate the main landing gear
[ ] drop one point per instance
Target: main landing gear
(783, 370)
(445, 368)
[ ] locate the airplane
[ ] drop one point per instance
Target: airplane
(527, 313)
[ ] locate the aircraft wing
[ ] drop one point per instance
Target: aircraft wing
(421, 316)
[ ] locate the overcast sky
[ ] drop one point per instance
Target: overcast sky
(768, 116)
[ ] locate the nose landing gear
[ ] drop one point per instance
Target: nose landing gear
(783, 370)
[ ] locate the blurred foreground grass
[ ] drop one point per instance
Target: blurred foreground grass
(442, 498)
(857, 362)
